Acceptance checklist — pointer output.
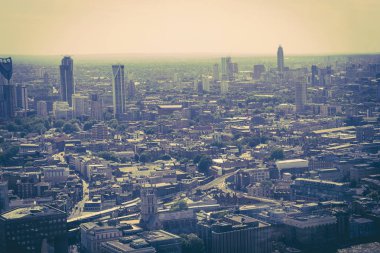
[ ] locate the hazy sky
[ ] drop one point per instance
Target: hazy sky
(189, 26)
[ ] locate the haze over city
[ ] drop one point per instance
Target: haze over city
(44, 27)
(203, 126)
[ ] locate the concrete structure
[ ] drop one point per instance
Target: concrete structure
(80, 105)
(312, 189)
(33, 229)
(300, 96)
(235, 234)
(4, 199)
(280, 59)
(118, 91)
(42, 109)
(67, 79)
(62, 110)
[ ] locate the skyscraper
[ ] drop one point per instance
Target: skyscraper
(118, 90)
(258, 70)
(206, 83)
(280, 59)
(131, 90)
(96, 107)
(22, 97)
(226, 68)
(67, 79)
(215, 72)
(7, 90)
(301, 96)
(314, 74)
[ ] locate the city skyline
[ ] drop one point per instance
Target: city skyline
(197, 27)
(177, 126)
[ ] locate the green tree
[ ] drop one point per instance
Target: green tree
(108, 156)
(165, 157)
(58, 123)
(204, 164)
(179, 206)
(7, 155)
(88, 125)
(144, 158)
(70, 128)
(277, 154)
(192, 244)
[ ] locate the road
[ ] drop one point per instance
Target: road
(220, 183)
(89, 215)
(78, 208)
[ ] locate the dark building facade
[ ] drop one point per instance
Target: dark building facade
(33, 229)
(67, 79)
(235, 234)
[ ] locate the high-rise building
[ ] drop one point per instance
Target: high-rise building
(22, 97)
(7, 90)
(118, 90)
(280, 59)
(96, 107)
(33, 229)
(4, 199)
(7, 101)
(42, 108)
(226, 68)
(215, 72)
(258, 70)
(80, 105)
(314, 74)
(301, 96)
(67, 79)
(235, 68)
(206, 83)
(131, 90)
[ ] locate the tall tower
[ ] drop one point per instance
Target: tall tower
(280, 59)
(206, 83)
(314, 73)
(7, 90)
(131, 90)
(96, 107)
(67, 79)
(226, 68)
(149, 208)
(301, 97)
(118, 90)
(22, 97)
(215, 72)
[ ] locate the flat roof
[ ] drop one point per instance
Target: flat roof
(331, 130)
(170, 106)
(27, 212)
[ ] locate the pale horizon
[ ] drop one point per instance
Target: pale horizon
(179, 27)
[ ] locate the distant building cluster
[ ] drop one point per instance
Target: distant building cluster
(244, 155)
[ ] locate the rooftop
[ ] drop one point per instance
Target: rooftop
(28, 212)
